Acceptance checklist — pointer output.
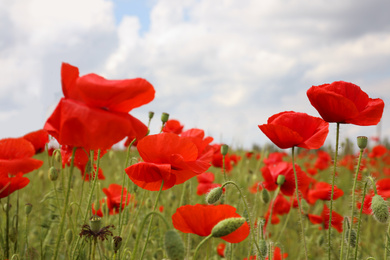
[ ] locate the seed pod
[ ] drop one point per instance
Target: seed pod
(379, 209)
(227, 226)
(164, 117)
(362, 141)
(224, 149)
(214, 195)
(27, 208)
(173, 245)
(96, 223)
(151, 114)
(116, 243)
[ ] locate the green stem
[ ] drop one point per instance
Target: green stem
(200, 244)
(16, 221)
(93, 248)
(345, 226)
(123, 187)
(149, 227)
(7, 226)
(285, 224)
(272, 204)
(247, 210)
(360, 219)
(331, 196)
(353, 199)
(387, 241)
(89, 199)
(299, 203)
(224, 168)
(59, 236)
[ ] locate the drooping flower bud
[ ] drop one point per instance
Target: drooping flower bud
(173, 245)
(264, 196)
(263, 248)
(214, 195)
(362, 141)
(69, 237)
(53, 173)
(379, 209)
(227, 226)
(224, 149)
(352, 241)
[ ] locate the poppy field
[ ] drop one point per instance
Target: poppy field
(67, 192)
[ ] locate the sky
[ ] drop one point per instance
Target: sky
(224, 66)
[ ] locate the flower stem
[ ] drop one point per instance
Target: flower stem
(299, 203)
(353, 199)
(149, 227)
(360, 219)
(59, 236)
(331, 196)
(200, 244)
(247, 210)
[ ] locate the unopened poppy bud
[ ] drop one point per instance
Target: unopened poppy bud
(263, 249)
(352, 240)
(96, 223)
(379, 209)
(224, 149)
(13, 235)
(151, 114)
(164, 117)
(159, 254)
(214, 195)
(280, 180)
(69, 236)
(173, 245)
(53, 173)
(264, 196)
(149, 203)
(227, 226)
(116, 243)
(320, 240)
(27, 208)
(57, 156)
(362, 141)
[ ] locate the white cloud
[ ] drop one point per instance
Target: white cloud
(224, 66)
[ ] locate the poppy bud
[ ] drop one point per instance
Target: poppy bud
(116, 243)
(6, 207)
(164, 117)
(214, 195)
(57, 156)
(353, 237)
(362, 141)
(320, 240)
(13, 235)
(280, 180)
(264, 196)
(227, 226)
(27, 208)
(224, 149)
(149, 203)
(173, 245)
(96, 223)
(53, 173)
(69, 236)
(263, 249)
(159, 254)
(151, 114)
(379, 209)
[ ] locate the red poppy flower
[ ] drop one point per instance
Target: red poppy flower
(277, 255)
(173, 126)
(10, 184)
(217, 160)
(221, 249)
(271, 172)
(256, 187)
(38, 139)
(81, 161)
(344, 102)
(94, 112)
(206, 184)
(288, 129)
(15, 156)
(378, 151)
(383, 187)
(114, 194)
(323, 160)
(337, 219)
(200, 220)
(274, 157)
(322, 191)
(169, 158)
(197, 136)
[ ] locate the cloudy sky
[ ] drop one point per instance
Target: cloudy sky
(221, 65)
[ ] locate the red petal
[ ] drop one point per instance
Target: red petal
(9, 185)
(38, 139)
(15, 148)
